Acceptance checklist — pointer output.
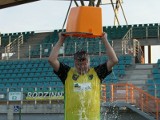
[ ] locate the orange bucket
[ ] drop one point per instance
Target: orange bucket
(84, 21)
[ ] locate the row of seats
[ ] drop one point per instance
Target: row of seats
(71, 45)
(26, 70)
(16, 34)
(114, 32)
(5, 38)
(27, 89)
(93, 46)
(31, 79)
(153, 87)
(145, 31)
(22, 62)
(25, 75)
(24, 66)
(32, 84)
(125, 60)
(138, 31)
(43, 76)
(154, 84)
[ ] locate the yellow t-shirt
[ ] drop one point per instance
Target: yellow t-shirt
(82, 96)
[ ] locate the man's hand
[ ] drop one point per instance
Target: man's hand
(104, 37)
(61, 37)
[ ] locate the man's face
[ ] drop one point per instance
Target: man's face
(82, 67)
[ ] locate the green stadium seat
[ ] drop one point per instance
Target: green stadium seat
(153, 30)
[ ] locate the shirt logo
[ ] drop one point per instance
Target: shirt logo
(79, 87)
(75, 77)
(90, 77)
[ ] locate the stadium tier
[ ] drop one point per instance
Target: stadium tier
(139, 31)
(29, 74)
(33, 76)
(10, 37)
(93, 46)
(43, 48)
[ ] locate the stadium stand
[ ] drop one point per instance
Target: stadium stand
(34, 73)
(31, 71)
(9, 37)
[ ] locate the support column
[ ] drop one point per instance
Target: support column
(149, 54)
(143, 55)
(142, 48)
(10, 113)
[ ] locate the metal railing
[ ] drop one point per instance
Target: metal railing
(137, 51)
(138, 33)
(132, 46)
(24, 51)
(14, 46)
(131, 94)
(128, 35)
(125, 42)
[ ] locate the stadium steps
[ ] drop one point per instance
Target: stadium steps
(149, 41)
(117, 46)
(130, 106)
(2, 50)
(138, 74)
(33, 41)
(38, 37)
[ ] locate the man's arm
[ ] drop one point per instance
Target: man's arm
(53, 58)
(110, 53)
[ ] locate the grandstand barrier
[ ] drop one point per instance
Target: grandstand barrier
(33, 94)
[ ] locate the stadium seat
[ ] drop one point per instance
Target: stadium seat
(153, 30)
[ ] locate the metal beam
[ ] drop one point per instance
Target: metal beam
(12, 3)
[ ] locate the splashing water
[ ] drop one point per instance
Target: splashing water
(82, 111)
(111, 112)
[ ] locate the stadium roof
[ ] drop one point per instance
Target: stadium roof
(9, 3)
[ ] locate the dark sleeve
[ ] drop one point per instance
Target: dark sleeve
(62, 72)
(102, 71)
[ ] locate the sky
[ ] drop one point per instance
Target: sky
(48, 15)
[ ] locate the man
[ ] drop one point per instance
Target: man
(82, 83)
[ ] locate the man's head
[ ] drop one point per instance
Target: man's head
(82, 61)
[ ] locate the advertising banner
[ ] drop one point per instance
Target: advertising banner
(48, 95)
(15, 96)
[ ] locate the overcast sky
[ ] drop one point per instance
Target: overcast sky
(50, 15)
(47, 15)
